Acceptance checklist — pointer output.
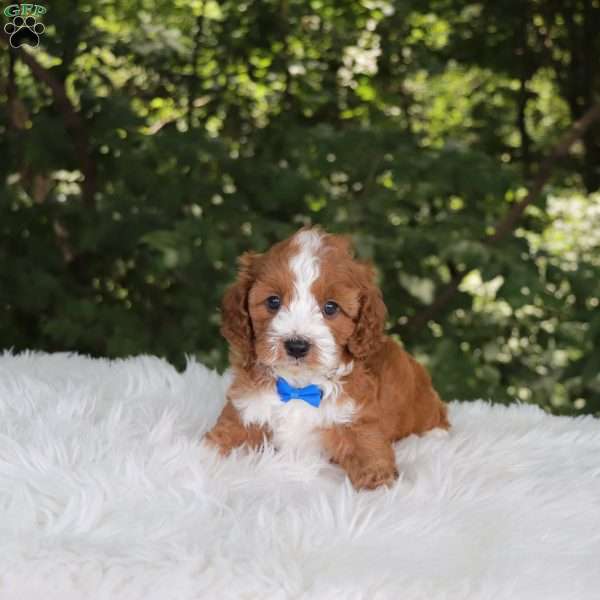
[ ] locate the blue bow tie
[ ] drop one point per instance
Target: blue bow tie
(311, 394)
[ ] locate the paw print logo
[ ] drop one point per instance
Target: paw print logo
(24, 31)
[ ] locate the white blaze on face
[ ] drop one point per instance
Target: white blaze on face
(302, 317)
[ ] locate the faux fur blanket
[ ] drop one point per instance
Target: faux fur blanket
(107, 493)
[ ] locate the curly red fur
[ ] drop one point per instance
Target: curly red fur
(236, 326)
(368, 333)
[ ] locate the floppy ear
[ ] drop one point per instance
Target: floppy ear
(236, 326)
(368, 332)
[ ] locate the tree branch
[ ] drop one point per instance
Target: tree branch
(74, 123)
(193, 82)
(522, 55)
(508, 223)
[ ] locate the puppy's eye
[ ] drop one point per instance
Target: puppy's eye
(330, 308)
(273, 303)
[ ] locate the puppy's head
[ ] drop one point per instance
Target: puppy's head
(304, 307)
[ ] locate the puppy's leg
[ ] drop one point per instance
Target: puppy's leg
(229, 432)
(364, 453)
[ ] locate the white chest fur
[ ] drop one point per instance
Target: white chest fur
(294, 424)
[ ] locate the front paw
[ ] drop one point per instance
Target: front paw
(220, 441)
(372, 475)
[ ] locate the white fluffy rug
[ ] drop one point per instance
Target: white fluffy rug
(107, 493)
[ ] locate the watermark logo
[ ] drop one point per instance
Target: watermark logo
(24, 28)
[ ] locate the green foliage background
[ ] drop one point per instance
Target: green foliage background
(153, 142)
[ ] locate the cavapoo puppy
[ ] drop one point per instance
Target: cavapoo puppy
(311, 365)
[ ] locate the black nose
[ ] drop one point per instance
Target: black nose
(297, 347)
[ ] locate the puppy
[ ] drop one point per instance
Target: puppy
(311, 365)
